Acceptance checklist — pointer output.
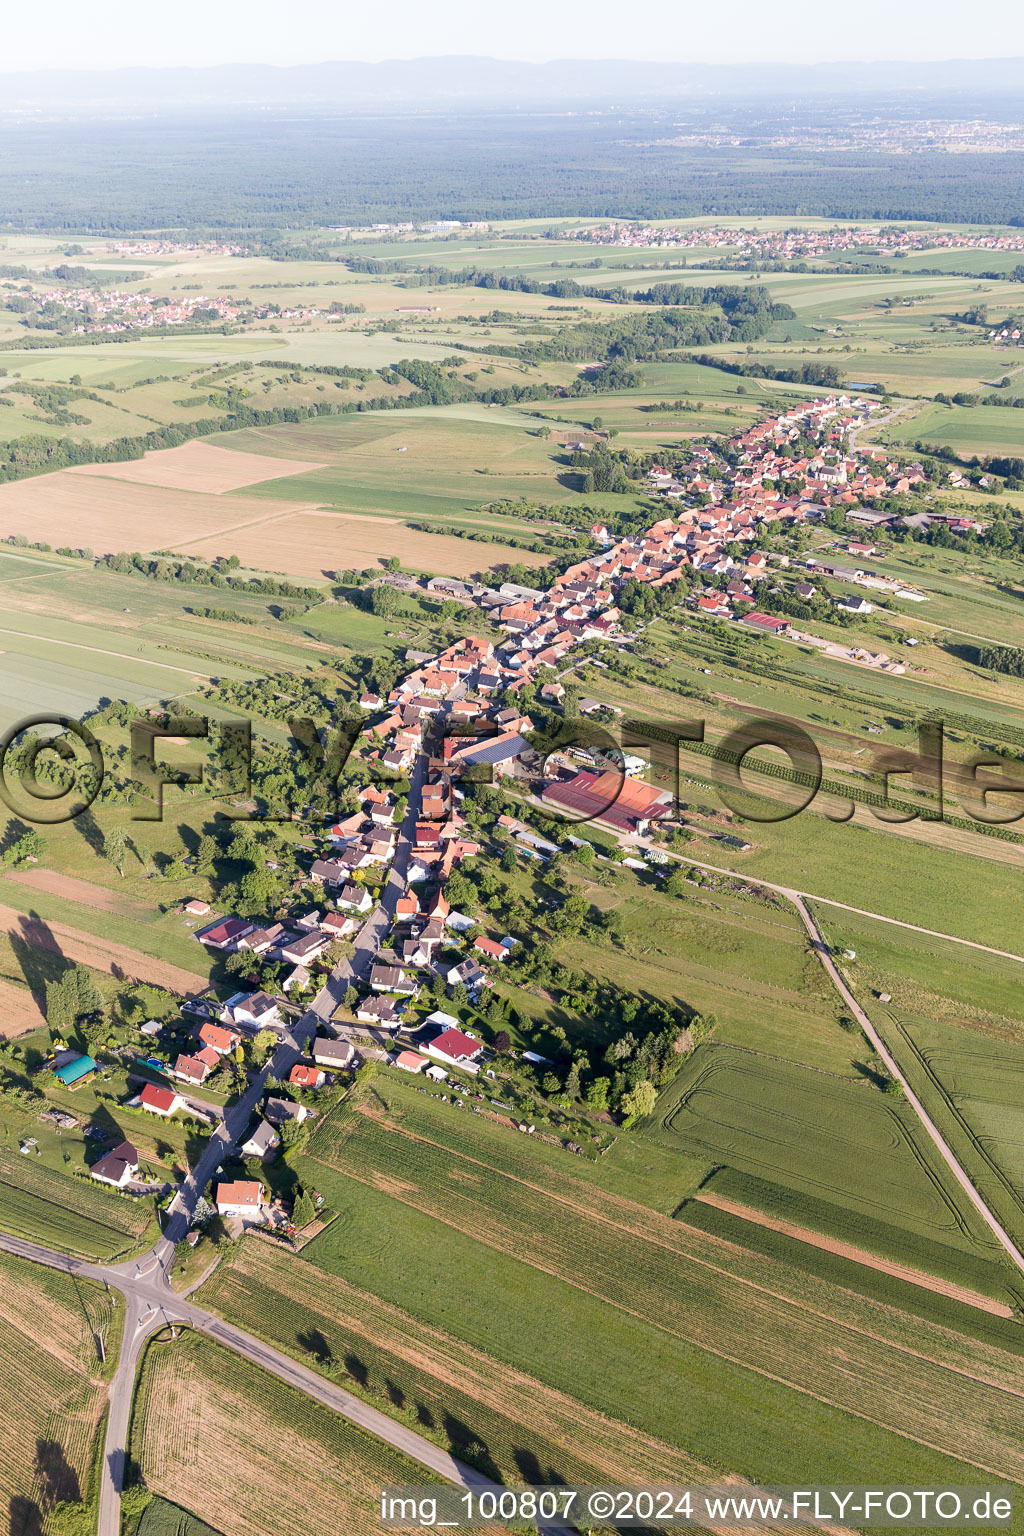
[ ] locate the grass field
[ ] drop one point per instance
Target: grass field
(305, 1468)
(967, 429)
(829, 1140)
(590, 1283)
(52, 1388)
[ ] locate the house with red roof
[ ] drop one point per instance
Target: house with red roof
(160, 1101)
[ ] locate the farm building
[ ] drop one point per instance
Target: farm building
(625, 804)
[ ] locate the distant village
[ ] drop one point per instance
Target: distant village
(794, 244)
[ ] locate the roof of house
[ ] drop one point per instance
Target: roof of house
(246, 1192)
(304, 1075)
(155, 1097)
(411, 1061)
(263, 1137)
(488, 946)
(458, 1046)
(191, 1068)
(335, 1053)
(116, 1162)
(220, 1039)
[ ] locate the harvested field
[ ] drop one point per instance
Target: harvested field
(860, 1256)
(109, 514)
(82, 891)
(309, 542)
(50, 1392)
(198, 466)
(99, 954)
(305, 1470)
(19, 1011)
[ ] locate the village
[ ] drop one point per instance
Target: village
(795, 244)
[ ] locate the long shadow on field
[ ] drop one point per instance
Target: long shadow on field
(89, 827)
(25, 1518)
(39, 954)
(466, 1443)
(58, 1478)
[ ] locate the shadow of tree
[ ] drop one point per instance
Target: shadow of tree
(467, 1444)
(38, 953)
(316, 1344)
(24, 1518)
(89, 828)
(58, 1478)
(357, 1370)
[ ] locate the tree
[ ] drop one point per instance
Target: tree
(262, 1046)
(502, 1042)
(351, 996)
(115, 848)
(384, 602)
(639, 1100)
(392, 563)
(206, 852)
(572, 1082)
(260, 891)
(597, 1093)
(303, 1210)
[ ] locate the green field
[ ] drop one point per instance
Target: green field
(52, 1389)
(590, 1284)
(969, 429)
(844, 1144)
(161, 1518)
(72, 1214)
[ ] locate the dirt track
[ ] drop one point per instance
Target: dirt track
(100, 954)
(859, 1256)
(82, 891)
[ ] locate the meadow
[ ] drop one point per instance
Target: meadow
(192, 1430)
(574, 1264)
(52, 1388)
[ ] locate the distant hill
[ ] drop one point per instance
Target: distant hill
(411, 82)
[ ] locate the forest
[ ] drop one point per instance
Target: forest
(270, 170)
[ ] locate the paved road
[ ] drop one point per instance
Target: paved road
(371, 935)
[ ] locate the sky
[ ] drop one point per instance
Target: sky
(112, 33)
